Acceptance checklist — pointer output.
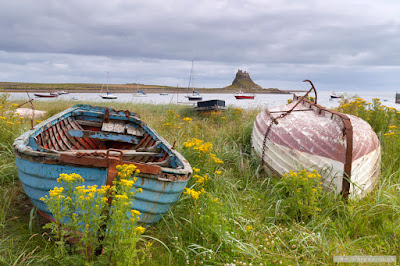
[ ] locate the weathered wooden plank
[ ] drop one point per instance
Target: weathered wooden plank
(67, 143)
(74, 141)
(45, 139)
(82, 141)
(53, 140)
(58, 139)
(103, 136)
(142, 142)
(88, 123)
(76, 126)
(113, 126)
(132, 130)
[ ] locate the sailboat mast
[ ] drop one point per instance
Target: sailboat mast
(190, 78)
(107, 83)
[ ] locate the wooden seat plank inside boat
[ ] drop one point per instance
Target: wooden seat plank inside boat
(117, 127)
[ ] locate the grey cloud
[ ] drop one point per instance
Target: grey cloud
(156, 40)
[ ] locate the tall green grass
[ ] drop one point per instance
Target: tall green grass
(238, 220)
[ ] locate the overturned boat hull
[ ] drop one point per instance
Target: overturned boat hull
(342, 148)
(92, 141)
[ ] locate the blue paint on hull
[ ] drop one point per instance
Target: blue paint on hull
(155, 200)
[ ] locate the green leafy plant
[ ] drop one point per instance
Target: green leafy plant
(300, 193)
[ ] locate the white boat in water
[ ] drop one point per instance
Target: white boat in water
(343, 148)
(195, 96)
(108, 95)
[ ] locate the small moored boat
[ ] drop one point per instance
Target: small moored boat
(92, 141)
(46, 95)
(108, 95)
(195, 96)
(139, 93)
(240, 95)
(335, 95)
(210, 106)
(344, 149)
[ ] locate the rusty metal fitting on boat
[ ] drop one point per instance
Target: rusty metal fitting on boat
(106, 117)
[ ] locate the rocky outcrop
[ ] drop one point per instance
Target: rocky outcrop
(243, 80)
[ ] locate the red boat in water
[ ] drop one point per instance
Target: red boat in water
(45, 95)
(242, 96)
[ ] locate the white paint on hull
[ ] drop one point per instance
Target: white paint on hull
(365, 170)
(283, 159)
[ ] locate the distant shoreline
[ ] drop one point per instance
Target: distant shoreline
(147, 91)
(123, 88)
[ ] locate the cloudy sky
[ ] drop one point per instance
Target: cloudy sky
(338, 44)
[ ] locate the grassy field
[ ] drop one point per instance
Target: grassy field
(242, 216)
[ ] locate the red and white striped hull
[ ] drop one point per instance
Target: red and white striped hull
(313, 139)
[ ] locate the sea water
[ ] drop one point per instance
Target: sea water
(260, 100)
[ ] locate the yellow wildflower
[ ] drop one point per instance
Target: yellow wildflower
(128, 183)
(195, 194)
(204, 148)
(196, 170)
(56, 191)
(215, 159)
(187, 119)
(135, 212)
(249, 228)
(123, 196)
(218, 172)
(140, 229)
(201, 179)
(192, 142)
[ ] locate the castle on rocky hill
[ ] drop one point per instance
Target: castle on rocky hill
(243, 81)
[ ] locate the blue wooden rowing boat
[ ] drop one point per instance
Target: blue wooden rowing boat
(92, 141)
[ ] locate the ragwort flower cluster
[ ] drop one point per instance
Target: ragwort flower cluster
(101, 215)
(202, 149)
(301, 192)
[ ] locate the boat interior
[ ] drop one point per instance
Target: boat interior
(94, 135)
